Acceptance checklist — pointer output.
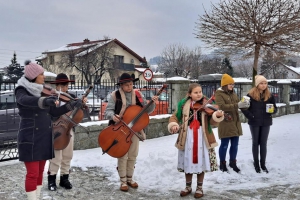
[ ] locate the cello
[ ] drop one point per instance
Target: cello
(115, 140)
(62, 126)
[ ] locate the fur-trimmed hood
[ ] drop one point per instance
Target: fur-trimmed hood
(33, 88)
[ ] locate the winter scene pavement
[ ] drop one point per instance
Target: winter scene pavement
(94, 175)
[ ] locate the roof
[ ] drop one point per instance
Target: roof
(96, 44)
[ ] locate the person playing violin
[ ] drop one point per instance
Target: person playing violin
(35, 141)
(117, 104)
(195, 157)
(62, 159)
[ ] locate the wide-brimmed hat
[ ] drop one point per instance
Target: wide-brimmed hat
(124, 78)
(61, 78)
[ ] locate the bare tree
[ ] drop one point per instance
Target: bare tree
(252, 25)
(243, 69)
(178, 60)
(92, 61)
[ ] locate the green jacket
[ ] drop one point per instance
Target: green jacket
(228, 102)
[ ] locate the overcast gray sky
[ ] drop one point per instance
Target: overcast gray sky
(146, 26)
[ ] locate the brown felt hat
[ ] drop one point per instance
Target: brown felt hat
(61, 78)
(124, 78)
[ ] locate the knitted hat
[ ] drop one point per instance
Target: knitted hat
(61, 78)
(124, 78)
(259, 79)
(226, 80)
(32, 70)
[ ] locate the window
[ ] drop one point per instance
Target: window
(51, 60)
(119, 59)
(72, 77)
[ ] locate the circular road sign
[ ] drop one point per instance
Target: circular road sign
(148, 74)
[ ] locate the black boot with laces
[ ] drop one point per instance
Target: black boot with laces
(64, 182)
(232, 164)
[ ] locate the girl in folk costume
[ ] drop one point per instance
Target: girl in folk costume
(35, 140)
(195, 157)
(117, 104)
(260, 120)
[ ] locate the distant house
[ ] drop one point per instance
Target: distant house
(282, 71)
(122, 58)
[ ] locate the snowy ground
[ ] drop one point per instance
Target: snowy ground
(158, 177)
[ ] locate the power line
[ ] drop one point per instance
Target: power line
(19, 50)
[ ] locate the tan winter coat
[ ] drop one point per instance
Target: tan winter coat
(228, 102)
(210, 140)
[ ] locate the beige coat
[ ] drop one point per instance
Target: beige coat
(210, 140)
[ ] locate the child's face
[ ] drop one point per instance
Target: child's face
(62, 87)
(127, 87)
(196, 94)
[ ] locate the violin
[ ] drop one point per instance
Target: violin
(62, 96)
(209, 109)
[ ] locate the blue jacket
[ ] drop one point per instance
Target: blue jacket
(35, 141)
(256, 113)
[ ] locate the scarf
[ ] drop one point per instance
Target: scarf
(33, 88)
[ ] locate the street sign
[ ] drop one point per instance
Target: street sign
(148, 74)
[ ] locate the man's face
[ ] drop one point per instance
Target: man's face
(127, 87)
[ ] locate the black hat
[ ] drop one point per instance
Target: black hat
(124, 78)
(61, 78)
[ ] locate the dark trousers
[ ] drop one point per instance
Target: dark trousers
(259, 142)
(234, 142)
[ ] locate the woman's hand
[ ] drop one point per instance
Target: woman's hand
(219, 113)
(174, 129)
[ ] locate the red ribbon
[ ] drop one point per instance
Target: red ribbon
(194, 125)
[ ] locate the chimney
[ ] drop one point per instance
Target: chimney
(86, 40)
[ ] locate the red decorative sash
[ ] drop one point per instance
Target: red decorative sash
(194, 125)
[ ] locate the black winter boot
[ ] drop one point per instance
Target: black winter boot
(256, 166)
(64, 182)
(263, 166)
(223, 166)
(232, 164)
(52, 182)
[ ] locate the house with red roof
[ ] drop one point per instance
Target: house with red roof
(108, 58)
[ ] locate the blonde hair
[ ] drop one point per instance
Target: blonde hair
(255, 94)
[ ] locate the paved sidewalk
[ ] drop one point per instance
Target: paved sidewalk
(93, 185)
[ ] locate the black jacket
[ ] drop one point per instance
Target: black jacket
(256, 113)
(35, 141)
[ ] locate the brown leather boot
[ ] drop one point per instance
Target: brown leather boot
(187, 190)
(131, 182)
(124, 187)
(199, 192)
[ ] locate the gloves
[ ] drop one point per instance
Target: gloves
(244, 104)
(76, 104)
(49, 101)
